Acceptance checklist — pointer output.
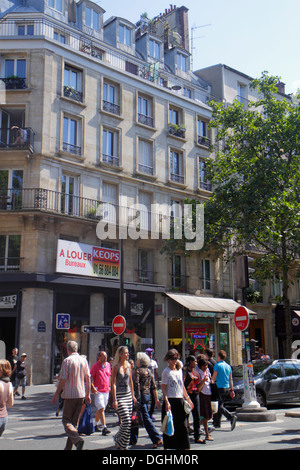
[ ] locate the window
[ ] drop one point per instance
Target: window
(154, 49)
(25, 30)
(174, 116)
(145, 111)
(111, 98)
(203, 183)
(178, 280)
(58, 36)
(125, 35)
(176, 167)
(10, 248)
(69, 195)
(110, 147)
(290, 370)
(145, 271)
(71, 136)
(145, 157)
(92, 18)
(242, 94)
(206, 282)
(182, 62)
(56, 4)
(15, 67)
(109, 199)
(145, 213)
(176, 126)
(11, 189)
(202, 133)
(73, 83)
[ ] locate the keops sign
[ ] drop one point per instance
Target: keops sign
(87, 260)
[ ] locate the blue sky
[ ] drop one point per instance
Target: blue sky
(250, 36)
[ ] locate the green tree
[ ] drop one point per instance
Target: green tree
(256, 184)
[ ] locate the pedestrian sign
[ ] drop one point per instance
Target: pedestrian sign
(62, 321)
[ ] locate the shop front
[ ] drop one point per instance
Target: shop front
(9, 316)
(197, 323)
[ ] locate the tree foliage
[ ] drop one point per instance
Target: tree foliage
(256, 182)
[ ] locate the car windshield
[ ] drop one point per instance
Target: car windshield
(258, 368)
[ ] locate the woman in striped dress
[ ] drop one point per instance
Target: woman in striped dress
(122, 395)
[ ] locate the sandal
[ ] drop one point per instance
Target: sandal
(158, 443)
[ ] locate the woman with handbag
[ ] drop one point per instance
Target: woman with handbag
(205, 394)
(144, 384)
(122, 395)
(193, 384)
(174, 396)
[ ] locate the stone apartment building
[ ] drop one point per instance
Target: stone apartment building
(102, 120)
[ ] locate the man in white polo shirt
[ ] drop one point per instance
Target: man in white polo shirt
(76, 385)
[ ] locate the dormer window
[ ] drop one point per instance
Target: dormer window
(154, 49)
(182, 62)
(92, 19)
(56, 4)
(124, 35)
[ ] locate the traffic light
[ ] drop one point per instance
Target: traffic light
(243, 280)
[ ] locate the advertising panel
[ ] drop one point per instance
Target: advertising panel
(87, 260)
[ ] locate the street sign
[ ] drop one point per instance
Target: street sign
(119, 325)
(241, 318)
(62, 321)
(96, 329)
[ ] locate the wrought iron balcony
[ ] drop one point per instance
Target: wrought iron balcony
(14, 83)
(17, 138)
(205, 141)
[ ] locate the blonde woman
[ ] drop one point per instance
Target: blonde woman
(6, 393)
(122, 395)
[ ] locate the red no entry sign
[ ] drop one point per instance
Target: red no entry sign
(241, 318)
(119, 325)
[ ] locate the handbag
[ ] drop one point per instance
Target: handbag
(187, 407)
(86, 421)
(137, 418)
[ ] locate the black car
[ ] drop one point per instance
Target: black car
(276, 381)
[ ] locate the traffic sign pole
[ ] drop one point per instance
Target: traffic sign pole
(241, 320)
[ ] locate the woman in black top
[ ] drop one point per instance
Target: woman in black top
(192, 383)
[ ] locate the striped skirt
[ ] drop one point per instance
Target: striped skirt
(122, 437)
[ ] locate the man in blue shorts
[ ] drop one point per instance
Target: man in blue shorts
(222, 376)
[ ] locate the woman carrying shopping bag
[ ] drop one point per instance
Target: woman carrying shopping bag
(174, 396)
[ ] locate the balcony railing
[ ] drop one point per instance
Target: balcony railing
(146, 169)
(70, 92)
(17, 138)
(110, 160)
(177, 178)
(71, 148)
(11, 264)
(205, 141)
(14, 83)
(111, 108)
(146, 120)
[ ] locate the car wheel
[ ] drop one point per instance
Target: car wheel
(260, 397)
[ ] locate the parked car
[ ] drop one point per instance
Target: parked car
(276, 381)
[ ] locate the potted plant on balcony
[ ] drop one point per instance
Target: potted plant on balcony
(177, 129)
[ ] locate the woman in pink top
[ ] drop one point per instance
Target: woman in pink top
(6, 393)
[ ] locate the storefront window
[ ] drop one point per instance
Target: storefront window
(78, 306)
(139, 315)
(199, 335)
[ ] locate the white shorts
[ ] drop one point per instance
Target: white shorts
(101, 400)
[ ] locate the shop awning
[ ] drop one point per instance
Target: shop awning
(195, 303)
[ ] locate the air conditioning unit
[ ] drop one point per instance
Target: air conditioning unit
(298, 303)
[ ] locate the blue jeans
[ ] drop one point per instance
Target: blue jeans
(3, 423)
(148, 423)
